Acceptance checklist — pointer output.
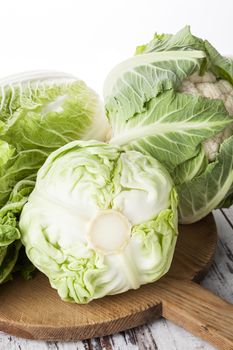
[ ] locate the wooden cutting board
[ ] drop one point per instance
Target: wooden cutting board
(33, 309)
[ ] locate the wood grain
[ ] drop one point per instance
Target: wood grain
(131, 338)
(199, 311)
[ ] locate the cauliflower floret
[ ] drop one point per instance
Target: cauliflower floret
(211, 146)
(208, 86)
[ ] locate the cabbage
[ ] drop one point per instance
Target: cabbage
(100, 220)
(174, 101)
(39, 112)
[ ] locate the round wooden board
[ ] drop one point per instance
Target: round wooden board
(33, 309)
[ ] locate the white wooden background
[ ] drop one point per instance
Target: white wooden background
(160, 334)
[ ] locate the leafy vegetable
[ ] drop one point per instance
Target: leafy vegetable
(39, 112)
(100, 220)
(174, 101)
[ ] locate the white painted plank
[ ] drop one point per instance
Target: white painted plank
(229, 213)
(160, 334)
(220, 277)
(172, 337)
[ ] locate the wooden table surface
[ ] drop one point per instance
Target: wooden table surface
(160, 334)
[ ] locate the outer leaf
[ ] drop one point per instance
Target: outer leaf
(204, 193)
(21, 165)
(9, 232)
(157, 233)
(171, 127)
(8, 257)
(134, 82)
(181, 41)
(221, 66)
(192, 167)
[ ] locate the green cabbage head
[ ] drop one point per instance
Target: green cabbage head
(100, 220)
(174, 101)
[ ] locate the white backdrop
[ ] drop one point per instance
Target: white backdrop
(89, 37)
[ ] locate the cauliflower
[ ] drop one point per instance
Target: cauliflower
(208, 86)
(174, 101)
